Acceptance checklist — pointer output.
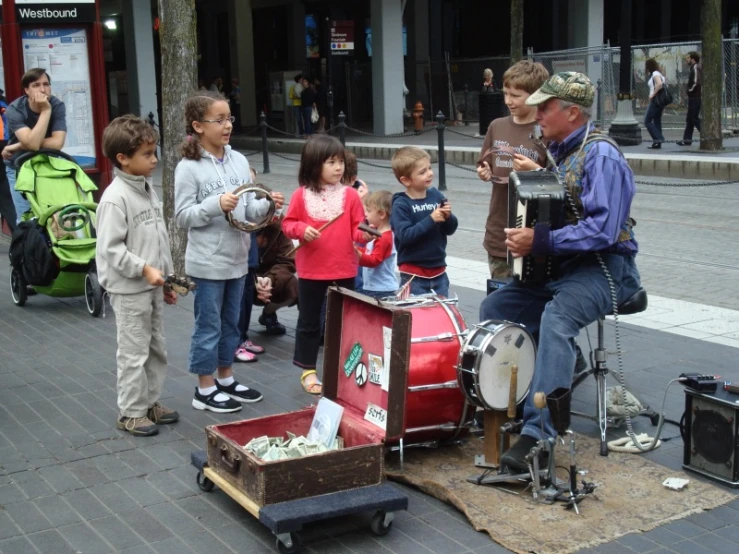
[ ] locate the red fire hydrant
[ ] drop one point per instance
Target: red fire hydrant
(418, 117)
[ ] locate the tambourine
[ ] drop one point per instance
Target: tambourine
(249, 226)
(180, 285)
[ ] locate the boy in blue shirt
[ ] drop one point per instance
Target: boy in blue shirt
(422, 220)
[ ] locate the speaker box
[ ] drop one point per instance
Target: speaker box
(711, 435)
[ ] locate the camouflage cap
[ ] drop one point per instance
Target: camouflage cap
(569, 86)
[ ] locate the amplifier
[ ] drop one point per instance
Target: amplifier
(711, 435)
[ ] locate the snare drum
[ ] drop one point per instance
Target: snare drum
(485, 361)
(435, 408)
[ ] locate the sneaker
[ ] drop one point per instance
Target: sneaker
(243, 355)
(245, 396)
(162, 415)
(201, 402)
(684, 142)
(249, 346)
(273, 326)
(137, 426)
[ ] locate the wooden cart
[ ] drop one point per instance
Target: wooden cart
(286, 519)
(367, 370)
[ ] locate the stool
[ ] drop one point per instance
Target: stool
(634, 304)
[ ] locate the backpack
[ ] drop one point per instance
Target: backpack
(31, 256)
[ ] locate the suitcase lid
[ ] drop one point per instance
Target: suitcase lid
(366, 359)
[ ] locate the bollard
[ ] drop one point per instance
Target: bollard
(342, 128)
(265, 151)
(442, 161)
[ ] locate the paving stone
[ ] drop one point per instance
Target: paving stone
(117, 533)
(718, 543)
(86, 504)
(169, 485)
(83, 538)
(147, 527)
(7, 527)
(637, 542)
(236, 537)
(172, 545)
(17, 545)
(173, 518)
(164, 456)
(685, 529)
(27, 516)
(11, 493)
(57, 511)
(51, 542)
(90, 476)
(60, 479)
(613, 548)
(139, 462)
(691, 547)
(112, 467)
(114, 498)
(706, 520)
(141, 491)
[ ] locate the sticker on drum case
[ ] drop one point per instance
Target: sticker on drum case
(360, 375)
(387, 339)
(376, 415)
(355, 356)
(375, 369)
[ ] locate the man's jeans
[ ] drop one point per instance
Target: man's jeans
(653, 122)
(20, 203)
(692, 120)
(437, 285)
(554, 313)
(216, 334)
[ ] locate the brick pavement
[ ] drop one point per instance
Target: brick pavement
(70, 482)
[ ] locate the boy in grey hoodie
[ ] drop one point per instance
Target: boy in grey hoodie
(132, 258)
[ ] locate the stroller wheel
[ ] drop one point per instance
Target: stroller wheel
(18, 287)
(93, 294)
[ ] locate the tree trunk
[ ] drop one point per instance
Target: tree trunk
(713, 75)
(516, 30)
(178, 39)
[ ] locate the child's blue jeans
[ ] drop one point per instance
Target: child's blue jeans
(437, 285)
(216, 334)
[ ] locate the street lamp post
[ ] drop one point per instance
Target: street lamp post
(625, 129)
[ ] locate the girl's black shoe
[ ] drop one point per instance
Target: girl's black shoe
(655, 146)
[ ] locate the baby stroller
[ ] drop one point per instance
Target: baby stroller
(62, 218)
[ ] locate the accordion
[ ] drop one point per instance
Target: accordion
(535, 197)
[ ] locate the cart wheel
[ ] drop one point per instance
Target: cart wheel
(294, 549)
(93, 294)
(205, 484)
(18, 287)
(378, 526)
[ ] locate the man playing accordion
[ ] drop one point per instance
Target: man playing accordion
(599, 188)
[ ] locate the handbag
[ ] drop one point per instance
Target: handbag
(663, 98)
(314, 115)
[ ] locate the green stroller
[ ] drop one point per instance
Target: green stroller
(60, 194)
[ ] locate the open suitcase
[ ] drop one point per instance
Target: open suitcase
(369, 370)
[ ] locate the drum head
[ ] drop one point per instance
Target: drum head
(508, 345)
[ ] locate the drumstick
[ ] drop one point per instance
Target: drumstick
(329, 222)
(513, 392)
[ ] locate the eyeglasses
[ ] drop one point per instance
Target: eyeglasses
(220, 122)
